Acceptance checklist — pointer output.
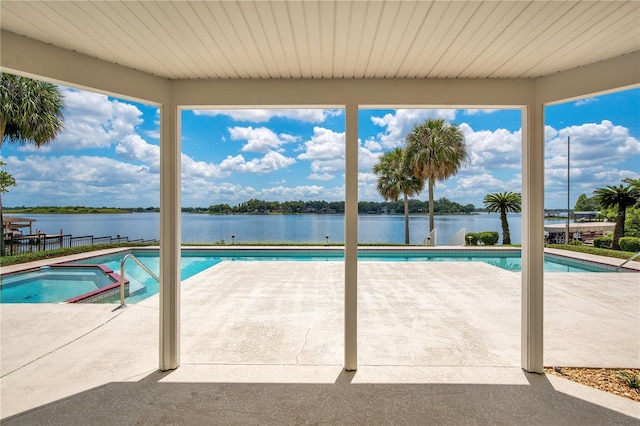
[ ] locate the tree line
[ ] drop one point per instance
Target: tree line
(78, 210)
(255, 206)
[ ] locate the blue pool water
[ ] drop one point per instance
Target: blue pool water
(49, 285)
(42, 287)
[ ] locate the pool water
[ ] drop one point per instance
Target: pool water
(50, 285)
(189, 266)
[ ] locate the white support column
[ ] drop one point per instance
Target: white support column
(169, 237)
(532, 237)
(351, 241)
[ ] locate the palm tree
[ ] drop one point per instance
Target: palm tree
(30, 110)
(504, 202)
(30, 113)
(395, 178)
(435, 150)
(620, 197)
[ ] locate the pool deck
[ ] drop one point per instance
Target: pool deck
(439, 343)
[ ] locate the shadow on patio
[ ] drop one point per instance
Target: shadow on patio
(167, 398)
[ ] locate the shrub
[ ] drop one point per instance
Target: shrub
(629, 244)
(629, 379)
(576, 243)
(471, 238)
(489, 238)
(603, 242)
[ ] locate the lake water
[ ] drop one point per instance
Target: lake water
(202, 228)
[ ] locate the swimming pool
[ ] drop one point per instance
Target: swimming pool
(194, 261)
(52, 285)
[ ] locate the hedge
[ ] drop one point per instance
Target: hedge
(629, 244)
(489, 238)
(603, 242)
(471, 238)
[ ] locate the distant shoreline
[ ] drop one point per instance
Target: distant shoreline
(110, 210)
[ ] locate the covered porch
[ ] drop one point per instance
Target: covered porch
(352, 56)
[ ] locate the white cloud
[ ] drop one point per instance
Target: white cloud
(598, 152)
(497, 149)
(592, 144)
(301, 192)
(271, 162)
(199, 192)
(260, 139)
(325, 144)
(264, 115)
(320, 176)
(133, 147)
(81, 180)
(326, 152)
(367, 159)
(372, 145)
(479, 111)
(367, 189)
(585, 101)
(402, 121)
(472, 189)
(92, 121)
(484, 182)
(154, 134)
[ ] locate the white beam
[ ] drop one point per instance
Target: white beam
(622, 72)
(169, 237)
(351, 240)
(532, 237)
(30, 58)
(369, 93)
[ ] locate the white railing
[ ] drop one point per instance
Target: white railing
(458, 238)
(431, 239)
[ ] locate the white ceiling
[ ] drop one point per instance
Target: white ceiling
(335, 39)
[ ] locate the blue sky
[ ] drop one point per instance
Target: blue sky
(108, 153)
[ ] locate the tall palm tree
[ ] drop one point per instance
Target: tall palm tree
(621, 197)
(30, 113)
(395, 178)
(435, 150)
(504, 202)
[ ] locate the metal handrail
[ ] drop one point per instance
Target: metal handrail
(122, 280)
(627, 261)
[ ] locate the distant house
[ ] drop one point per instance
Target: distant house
(586, 216)
(583, 231)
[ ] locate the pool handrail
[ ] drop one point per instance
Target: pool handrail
(122, 279)
(620, 266)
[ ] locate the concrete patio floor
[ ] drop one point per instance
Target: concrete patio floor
(262, 343)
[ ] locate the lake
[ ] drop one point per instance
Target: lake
(305, 228)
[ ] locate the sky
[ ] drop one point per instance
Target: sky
(108, 153)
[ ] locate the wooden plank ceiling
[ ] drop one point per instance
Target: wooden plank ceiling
(335, 39)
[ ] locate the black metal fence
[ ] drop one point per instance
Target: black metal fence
(42, 242)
